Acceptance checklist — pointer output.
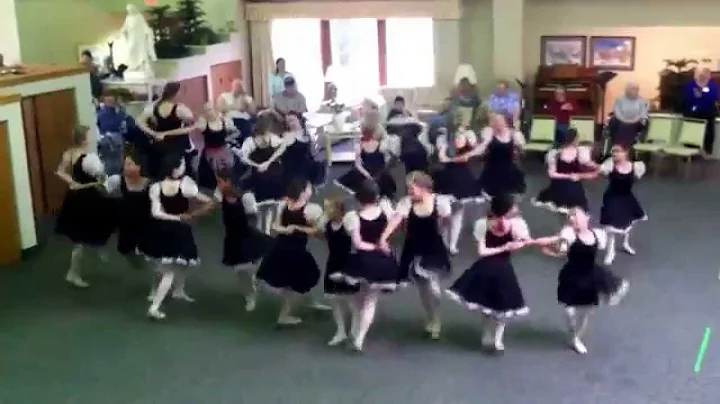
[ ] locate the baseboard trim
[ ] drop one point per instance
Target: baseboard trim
(30, 252)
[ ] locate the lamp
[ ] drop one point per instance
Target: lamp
(465, 71)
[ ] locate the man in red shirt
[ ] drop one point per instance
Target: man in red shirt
(561, 109)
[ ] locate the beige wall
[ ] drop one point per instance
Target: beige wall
(665, 29)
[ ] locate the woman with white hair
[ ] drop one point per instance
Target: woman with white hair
(630, 115)
(700, 99)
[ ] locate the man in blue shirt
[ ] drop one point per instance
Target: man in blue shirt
(700, 98)
(505, 102)
(112, 122)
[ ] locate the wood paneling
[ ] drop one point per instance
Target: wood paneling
(9, 231)
(222, 75)
(55, 119)
(32, 148)
(194, 93)
(33, 73)
(382, 51)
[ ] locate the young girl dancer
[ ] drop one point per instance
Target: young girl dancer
(372, 161)
(262, 153)
(582, 284)
(341, 294)
(424, 257)
(456, 179)
(501, 145)
(490, 284)
(215, 153)
(243, 245)
(298, 157)
(131, 186)
(372, 267)
(87, 216)
(170, 242)
(289, 267)
(414, 153)
(567, 167)
(620, 209)
(169, 123)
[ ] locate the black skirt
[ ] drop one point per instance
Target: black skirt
(242, 249)
(561, 196)
(87, 217)
(373, 268)
(336, 264)
(289, 268)
(491, 287)
(620, 212)
(579, 287)
(353, 180)
(170, 242)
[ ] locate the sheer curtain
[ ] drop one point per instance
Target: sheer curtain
(297, 40)
(355, 55)
(410, 52)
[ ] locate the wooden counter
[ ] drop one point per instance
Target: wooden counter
(33, 73)
(9, 98)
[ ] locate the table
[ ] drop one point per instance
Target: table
(349, 131)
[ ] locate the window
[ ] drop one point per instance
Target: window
(410, 52)
(354, 44)
(297, 40)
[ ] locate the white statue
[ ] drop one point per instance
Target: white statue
(139, 41)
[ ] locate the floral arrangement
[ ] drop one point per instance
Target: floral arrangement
(336, 107)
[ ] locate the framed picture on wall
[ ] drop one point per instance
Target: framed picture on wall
(563, 50)
(612, 52)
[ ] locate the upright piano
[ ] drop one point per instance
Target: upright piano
(582, 85)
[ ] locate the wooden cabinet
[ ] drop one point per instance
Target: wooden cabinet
(49, 120)
(222, 75)
(9, 231)
(194, 93)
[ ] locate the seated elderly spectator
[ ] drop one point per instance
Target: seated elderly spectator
(290, 100)
(629, 116)
(506, 102)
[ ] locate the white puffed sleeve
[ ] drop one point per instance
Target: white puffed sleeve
(313, 213)
(351, 221)
(639, 168)
(275, 140)
(189, 188)
(584, 155)
(551, 157)
(601, 238)
(424, 139)
(441, 141)
(92, 165)
(471, 137)
(249, 203)
(480, 229)
(607, 166)
(486, 134)
(567, 237)
(112, 184)
(217, 195)
(520, 229)
(386, 207)
(518, 138)
(183, 112)
(389, 145)
(156, 207)
(248, 146)
(443, 203)
(403, 207)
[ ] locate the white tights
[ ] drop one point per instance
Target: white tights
(248, 284)
(167, 278)
(578, 319)
(611, 247)
(430, 293)
(265, 217)
(494, 333)
(74, 273)
(341, 307)
(363, 316)
(453, 231)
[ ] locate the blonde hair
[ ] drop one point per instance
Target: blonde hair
(420, 179)
(334, 207)
(80, 134)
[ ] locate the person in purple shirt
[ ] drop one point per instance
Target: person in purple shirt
(505, 102)
(700, 98)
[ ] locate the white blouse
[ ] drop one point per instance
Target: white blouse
(235, 105)
(518, 227)
(113, 185)
(442, 204)
(469, 135)
(638, 168)
(203, 123)
(568, 236)
(186, 186)
(584, 155)
(247, 199)
(251, 144)
(92, 165)
(516, 136)
(351, 220)
(388, 145)
(312, 211)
